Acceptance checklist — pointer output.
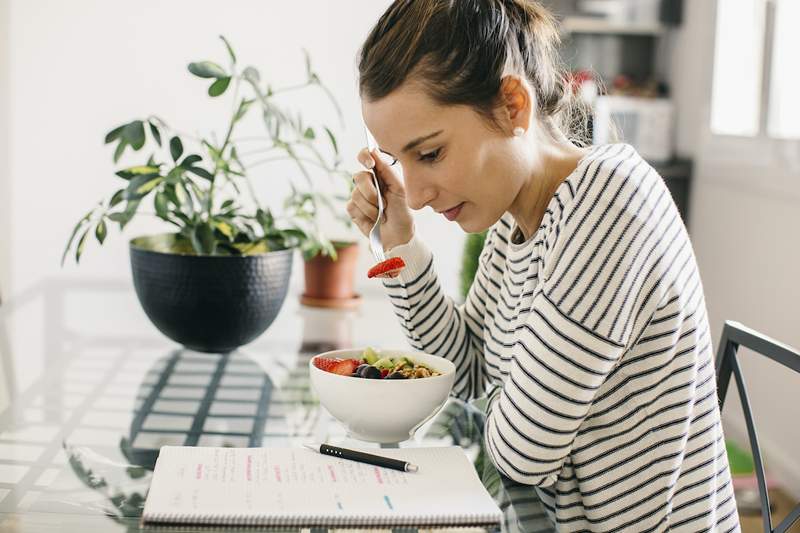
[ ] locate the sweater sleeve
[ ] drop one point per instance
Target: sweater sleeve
(558, 366)
(434, 323)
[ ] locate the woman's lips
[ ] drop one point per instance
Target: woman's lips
(452, 214)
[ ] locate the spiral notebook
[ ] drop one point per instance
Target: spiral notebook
(296, 487)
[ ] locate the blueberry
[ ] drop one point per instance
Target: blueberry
(371, 373)
(396, 375)
(360, 370)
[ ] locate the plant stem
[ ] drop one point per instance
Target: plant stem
(259, 151)
(290, 158)
(291, 88)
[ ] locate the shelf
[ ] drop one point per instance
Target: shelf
(596, 25)
(678, 168)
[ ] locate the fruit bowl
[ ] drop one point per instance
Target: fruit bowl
(382, 410)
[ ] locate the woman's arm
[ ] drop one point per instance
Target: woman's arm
(433, 323)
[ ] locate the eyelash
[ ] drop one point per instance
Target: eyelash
(431, 157)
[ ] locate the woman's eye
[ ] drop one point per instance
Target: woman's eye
(430, 156)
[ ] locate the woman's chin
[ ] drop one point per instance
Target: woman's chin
(472, 225)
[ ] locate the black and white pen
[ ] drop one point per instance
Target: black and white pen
(361, 457)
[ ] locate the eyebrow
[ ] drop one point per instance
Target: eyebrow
(416, 142)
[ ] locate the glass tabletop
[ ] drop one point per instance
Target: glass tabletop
(95, 390)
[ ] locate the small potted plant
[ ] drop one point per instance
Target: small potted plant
(218, 280)
(329, 264)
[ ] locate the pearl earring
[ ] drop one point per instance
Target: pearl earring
(518, 131)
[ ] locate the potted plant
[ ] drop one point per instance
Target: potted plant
(218, 280)
(329, 265)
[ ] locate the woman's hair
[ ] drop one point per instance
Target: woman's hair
(459, 51)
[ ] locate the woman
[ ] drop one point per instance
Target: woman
(586, 324)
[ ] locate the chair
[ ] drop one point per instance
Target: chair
(733, 336)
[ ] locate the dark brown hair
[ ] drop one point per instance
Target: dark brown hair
(459, 50)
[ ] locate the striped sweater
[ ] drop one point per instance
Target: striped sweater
(592, 341)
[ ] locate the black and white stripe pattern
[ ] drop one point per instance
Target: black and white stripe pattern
(593, 339)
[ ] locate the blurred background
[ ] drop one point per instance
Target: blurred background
(706, 90)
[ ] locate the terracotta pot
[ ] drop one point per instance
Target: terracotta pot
(330, 283)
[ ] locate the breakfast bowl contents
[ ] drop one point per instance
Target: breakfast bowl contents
(372, 366)
(359, 387)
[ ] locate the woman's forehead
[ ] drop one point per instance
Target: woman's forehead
(405, 114)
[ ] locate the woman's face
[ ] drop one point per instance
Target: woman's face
(452, 160)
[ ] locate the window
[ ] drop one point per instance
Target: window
(784, 96)
(756, 81)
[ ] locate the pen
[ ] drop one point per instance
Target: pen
(361, 457)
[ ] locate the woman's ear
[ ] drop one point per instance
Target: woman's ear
(516, 103)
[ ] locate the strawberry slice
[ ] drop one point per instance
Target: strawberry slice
(325, 363)
(387, 269)
(345, 367)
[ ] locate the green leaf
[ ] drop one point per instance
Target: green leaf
(229, 47)
(149, 185)
(332, 139)
(203, 238)
(100, 231)
(156, 134)
(130, 212)
(172, 196)
(116, 199)
(114, 134)
(141, 170)
(226, 204)
(161, 205)
(309, 133)
(224, 228)
(120, 148)
(133, 133)
(139, 186)
(175, 175)
(207, 69)
(190, 160)
(265, 218)
(218, 87)
(81, 245)
(75, 231)
(175, 148)
(203, 173)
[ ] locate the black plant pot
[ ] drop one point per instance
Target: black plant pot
(208, 303)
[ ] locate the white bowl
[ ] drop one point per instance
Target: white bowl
(383, 410)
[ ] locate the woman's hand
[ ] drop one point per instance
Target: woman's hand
(397, 226)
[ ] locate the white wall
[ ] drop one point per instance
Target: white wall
(5, 181)
(5, 227)
(745, 218)
(81, 67)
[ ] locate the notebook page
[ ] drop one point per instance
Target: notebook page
(280, 482)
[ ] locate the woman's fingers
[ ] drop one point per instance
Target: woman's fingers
(367, 208)
(362, 221)
(365, 185)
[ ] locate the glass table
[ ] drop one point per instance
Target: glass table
(94, 390)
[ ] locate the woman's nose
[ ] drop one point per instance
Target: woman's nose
(418, 193)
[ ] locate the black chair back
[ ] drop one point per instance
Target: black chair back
(733, 336)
